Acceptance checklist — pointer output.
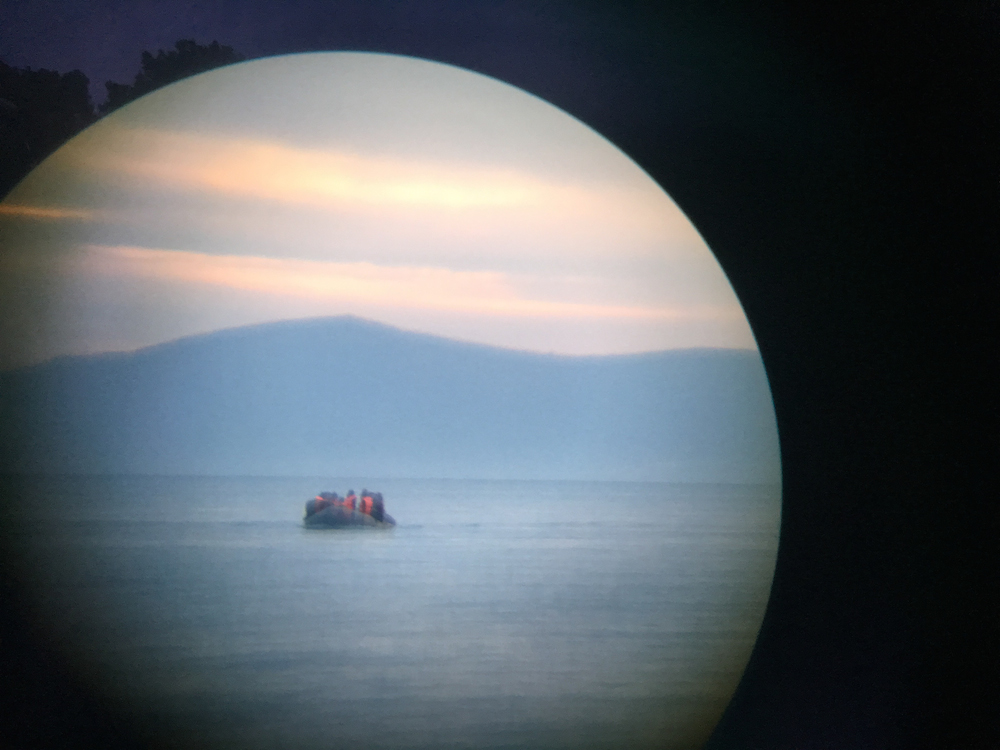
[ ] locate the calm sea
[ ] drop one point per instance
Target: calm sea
(495, 615)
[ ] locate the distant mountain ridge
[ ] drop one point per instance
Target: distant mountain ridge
(349, 397)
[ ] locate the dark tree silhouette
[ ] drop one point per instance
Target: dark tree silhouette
(39, 111)
(187, 59)
(42, 109)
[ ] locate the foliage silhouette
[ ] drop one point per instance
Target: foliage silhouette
(42, 109)
(187, 59)
(39, 111)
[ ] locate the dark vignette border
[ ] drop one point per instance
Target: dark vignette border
(840, 161)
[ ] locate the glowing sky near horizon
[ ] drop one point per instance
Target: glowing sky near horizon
(396, 189)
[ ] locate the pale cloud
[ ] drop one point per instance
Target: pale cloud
(422, 288)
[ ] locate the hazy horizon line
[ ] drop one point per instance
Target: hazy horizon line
(359, 479)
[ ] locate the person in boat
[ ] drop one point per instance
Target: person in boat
(367, 502)
(378, 507)
(351, 501)
(322, 500)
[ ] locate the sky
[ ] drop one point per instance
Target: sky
(401, 190)
(104, 38)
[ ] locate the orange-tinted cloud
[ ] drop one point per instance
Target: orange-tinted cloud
(480, 292)
(343, 181)
(46, 212)
(279, 172)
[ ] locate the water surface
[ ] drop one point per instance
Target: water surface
(496, 614)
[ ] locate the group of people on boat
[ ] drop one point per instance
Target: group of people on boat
(370, 503)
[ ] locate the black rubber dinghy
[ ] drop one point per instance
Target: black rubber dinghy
(335, 517)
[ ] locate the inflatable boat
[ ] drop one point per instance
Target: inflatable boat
(339, 517)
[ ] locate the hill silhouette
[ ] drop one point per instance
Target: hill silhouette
(348, 397)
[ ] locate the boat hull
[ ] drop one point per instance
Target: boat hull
(345, 518)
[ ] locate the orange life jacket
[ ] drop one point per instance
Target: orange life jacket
(366, 504)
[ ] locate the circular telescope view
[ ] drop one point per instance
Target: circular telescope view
(357, 400)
